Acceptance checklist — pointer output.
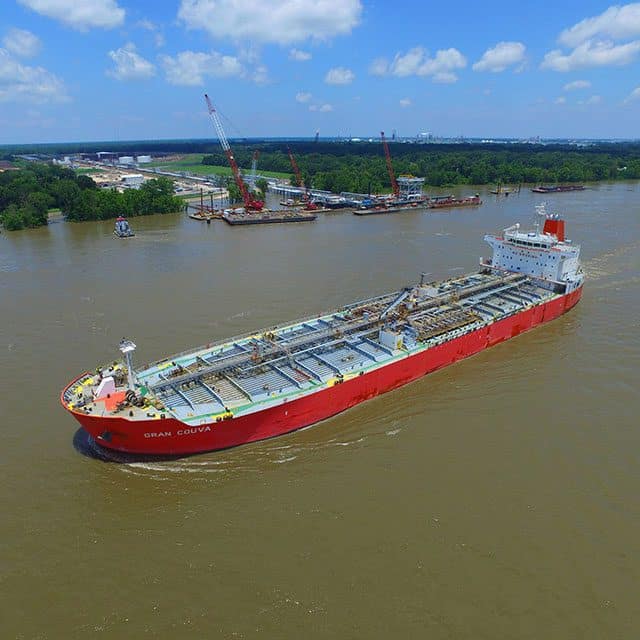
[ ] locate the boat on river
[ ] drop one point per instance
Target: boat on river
(273, 381)
(122, 228)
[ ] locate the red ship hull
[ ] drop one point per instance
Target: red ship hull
(172, 437)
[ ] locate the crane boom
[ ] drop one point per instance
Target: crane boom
(305, 194)
(392, 175)
(296, 170)
(249, 203)
(254, 167)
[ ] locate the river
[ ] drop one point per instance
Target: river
(497, 498)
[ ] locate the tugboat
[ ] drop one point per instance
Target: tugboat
(122, 228)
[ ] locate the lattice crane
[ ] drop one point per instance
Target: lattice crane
(300, 181)
(250, 204)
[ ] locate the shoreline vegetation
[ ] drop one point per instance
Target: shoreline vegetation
(361, 167)
(28, 194)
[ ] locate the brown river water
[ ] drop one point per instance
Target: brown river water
(498, 498)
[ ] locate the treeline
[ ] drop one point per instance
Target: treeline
(360, 167)
(154, 196)
(27, 195)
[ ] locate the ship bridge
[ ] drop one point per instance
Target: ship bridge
(546, 255)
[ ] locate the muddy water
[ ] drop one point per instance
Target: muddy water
(495, 499)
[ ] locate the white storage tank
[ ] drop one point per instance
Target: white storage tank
(132, 180)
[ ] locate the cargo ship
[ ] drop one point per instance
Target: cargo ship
(267, 383)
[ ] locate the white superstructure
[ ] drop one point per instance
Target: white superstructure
(545, 254)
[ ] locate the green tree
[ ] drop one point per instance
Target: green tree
(262, 185)
(235, 195)
(12, 218)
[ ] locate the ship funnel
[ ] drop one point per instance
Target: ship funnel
(127, 347)
(554, 226)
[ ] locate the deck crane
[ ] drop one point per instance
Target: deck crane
(250, 204)
(392, 175)
(305, 194)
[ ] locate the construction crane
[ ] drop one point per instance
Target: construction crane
(250, 204)
(392, 175)
(254, 167)
(305, 194)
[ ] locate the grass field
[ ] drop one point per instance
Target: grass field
(192, 163)
(86, 170)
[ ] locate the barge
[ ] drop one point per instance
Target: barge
(562, 188)
(239, 217)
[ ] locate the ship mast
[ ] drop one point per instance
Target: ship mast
(127, 347)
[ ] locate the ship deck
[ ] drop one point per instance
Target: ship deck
(250, 372)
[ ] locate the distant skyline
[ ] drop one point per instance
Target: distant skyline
(73, 70)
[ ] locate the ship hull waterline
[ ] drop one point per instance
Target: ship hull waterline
(173, 437)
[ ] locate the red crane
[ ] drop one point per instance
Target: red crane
(392, 175)
(300, 181)
(249, 203)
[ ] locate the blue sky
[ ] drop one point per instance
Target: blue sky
(127, 69)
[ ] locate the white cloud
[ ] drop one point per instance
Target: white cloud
(156, 30)
(634, 95)
(445, 61)
(80, 14)
(303, 96)
(617, 23)
(594, 100)
(271, 21)
(577, 84)
(445, 77)
(416, 62)
(190, 68)
(498, 58)
(130, 65)
(405, 102)
(591, 54)
(339, 75)
(22, 43)
(561, 100)
(409, 63)
(148, 25)
(594, 40)
(379, 67)
(299, 56)
(260, 75)
(322, 108)
(23, 83)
